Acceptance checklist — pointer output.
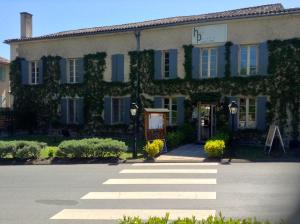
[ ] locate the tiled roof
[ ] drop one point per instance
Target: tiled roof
(3, 61)
(257, 11)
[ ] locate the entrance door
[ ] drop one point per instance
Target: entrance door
(206, 121)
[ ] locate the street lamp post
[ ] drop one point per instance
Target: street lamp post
(233, 108)
(133, 111)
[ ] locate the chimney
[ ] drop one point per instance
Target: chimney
(26, 25)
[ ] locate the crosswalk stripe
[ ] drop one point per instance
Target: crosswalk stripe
(169, 171)
(116, 214)
(175, 164)
(150, 195)
(148, 181)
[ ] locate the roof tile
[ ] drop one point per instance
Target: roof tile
(264, 10)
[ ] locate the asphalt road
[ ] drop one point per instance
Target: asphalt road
(34, 194)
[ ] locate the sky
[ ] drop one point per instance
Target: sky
(60, 15)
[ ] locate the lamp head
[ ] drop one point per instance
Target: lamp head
(133, 109)
(233, 107)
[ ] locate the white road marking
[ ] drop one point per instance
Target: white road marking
(175, 164)
(148, 181)
(150, 195)
(116, 214)
(169, 171)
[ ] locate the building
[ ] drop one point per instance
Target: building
(188, 64)
(5, 99)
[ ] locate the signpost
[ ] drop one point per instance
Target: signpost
(273, 131)
(156, 124)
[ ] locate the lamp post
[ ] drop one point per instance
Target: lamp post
(133, 111)
(233, 108)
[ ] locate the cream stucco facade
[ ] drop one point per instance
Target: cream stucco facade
(5, 96)
(240, 31)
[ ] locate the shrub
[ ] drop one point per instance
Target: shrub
(214, 148)
(21, 149)
(219, 219)
(27, 149)
(90, 148)
(184, 134)
(175, 138)
(222, 136)
(153, 148)
(51, 151)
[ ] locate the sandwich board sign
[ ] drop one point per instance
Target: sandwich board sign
(273, 131)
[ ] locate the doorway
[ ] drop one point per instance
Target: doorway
(206, 121)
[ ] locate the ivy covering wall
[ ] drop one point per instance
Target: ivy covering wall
(282, 86)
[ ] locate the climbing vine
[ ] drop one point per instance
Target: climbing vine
(227, 58)
(284, 57)
(41, 101)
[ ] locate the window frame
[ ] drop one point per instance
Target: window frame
(170, 117)
(247, 121)
(164, 64)
(75, 74)
(121, 115)
(248, 62)
(209, 49)
(36, 72)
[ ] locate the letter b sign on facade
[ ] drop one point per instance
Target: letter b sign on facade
(209, 34)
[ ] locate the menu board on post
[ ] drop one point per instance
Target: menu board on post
(156, 121)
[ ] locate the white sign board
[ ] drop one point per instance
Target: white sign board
(273, 131)
(209, 34)
(156, 121)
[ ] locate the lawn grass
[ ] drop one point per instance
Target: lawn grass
(254, 153)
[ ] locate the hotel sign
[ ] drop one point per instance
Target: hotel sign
(209, 34)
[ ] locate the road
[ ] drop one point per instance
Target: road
(63, 194)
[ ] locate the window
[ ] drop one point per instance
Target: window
(208, 61)
(73, 70)
(248, 60)
(72, 114)
(171, 105)
(117, 110)
(247, 113)
(34, 72)
(166, 64)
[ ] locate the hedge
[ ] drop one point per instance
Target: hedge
(210, 220)
(90, 148)
(21, 149)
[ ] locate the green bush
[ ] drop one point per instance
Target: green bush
(189, 132)
(21, 149)
(6, 148)
(184, 134)
(153, 148)
(214, 148)
(210, 220)
(90, 148)
(175, 139)
(222, 136)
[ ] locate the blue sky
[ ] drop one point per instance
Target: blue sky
(60, 15)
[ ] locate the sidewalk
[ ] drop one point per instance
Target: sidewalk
(189, 152)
